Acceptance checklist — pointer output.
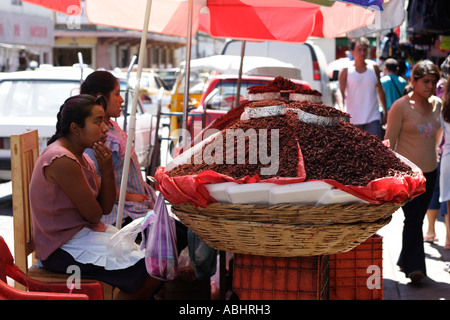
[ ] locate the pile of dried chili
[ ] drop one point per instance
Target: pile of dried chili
(317, 109)
(344, 153)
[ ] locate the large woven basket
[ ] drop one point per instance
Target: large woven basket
(286, 230)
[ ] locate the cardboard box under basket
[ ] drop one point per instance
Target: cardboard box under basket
(276, 278)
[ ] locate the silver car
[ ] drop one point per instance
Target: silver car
(31, 100)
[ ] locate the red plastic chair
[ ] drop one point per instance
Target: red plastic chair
(39, 290)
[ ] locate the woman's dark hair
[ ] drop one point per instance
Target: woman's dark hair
(445, 68)
(423, 68)
(75, 109)
(99, 82)
(446, 102)
(392, 65)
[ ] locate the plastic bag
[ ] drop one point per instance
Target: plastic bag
(122, 243)
(203, 257)
(160, 242)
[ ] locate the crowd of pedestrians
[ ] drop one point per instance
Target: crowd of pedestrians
(412, 114)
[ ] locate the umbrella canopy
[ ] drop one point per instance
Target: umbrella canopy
(375, 4)
(286, 20)
(392, 16)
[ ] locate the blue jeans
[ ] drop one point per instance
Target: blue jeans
(412, 256)
(373, 127)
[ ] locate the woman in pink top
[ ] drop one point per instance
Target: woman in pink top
(68, 200)
(414, 130)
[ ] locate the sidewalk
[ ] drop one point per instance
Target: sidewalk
(396, 286)
(436, 286)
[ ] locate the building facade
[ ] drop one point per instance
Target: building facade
(31, 35)
(26, 35)
(107, 47)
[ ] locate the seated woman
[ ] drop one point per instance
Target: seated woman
(68, 201)
(140, 197)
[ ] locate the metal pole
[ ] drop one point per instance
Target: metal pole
(238, 92)
(126, 165)
(125, 105)
(80, 61)
(187, 74)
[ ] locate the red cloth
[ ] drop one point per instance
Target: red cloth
(191, 188)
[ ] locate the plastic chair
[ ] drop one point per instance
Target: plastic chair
(24, 153)
(39, 290)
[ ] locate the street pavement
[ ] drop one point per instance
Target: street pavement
(436, 286)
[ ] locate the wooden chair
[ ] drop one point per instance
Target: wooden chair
(24, 153)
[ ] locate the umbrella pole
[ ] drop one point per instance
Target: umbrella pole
(132, 124)
(187, 74)
(238, 92)
(125, 105)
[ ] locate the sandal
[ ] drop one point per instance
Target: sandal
(447, 268)
(430, 239)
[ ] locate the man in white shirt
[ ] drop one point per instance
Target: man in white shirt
(362, 91)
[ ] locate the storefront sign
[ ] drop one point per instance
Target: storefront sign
(74, 18)
(26, 30)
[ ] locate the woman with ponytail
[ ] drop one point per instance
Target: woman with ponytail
(68, 200)
(140, 197)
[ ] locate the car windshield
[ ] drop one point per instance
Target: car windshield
(224, 94)
(197, 81)
(148, 81)
(34, 98)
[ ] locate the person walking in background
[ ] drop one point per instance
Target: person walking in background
(362, 91)
(445, 73)
(393, 84)
(413, 130)
(436, 206)
(444, 179)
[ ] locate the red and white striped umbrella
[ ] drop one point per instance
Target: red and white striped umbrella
(277, 20)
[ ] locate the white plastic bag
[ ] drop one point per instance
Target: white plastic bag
(122, 243)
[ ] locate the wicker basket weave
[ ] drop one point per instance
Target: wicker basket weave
(286, 230)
